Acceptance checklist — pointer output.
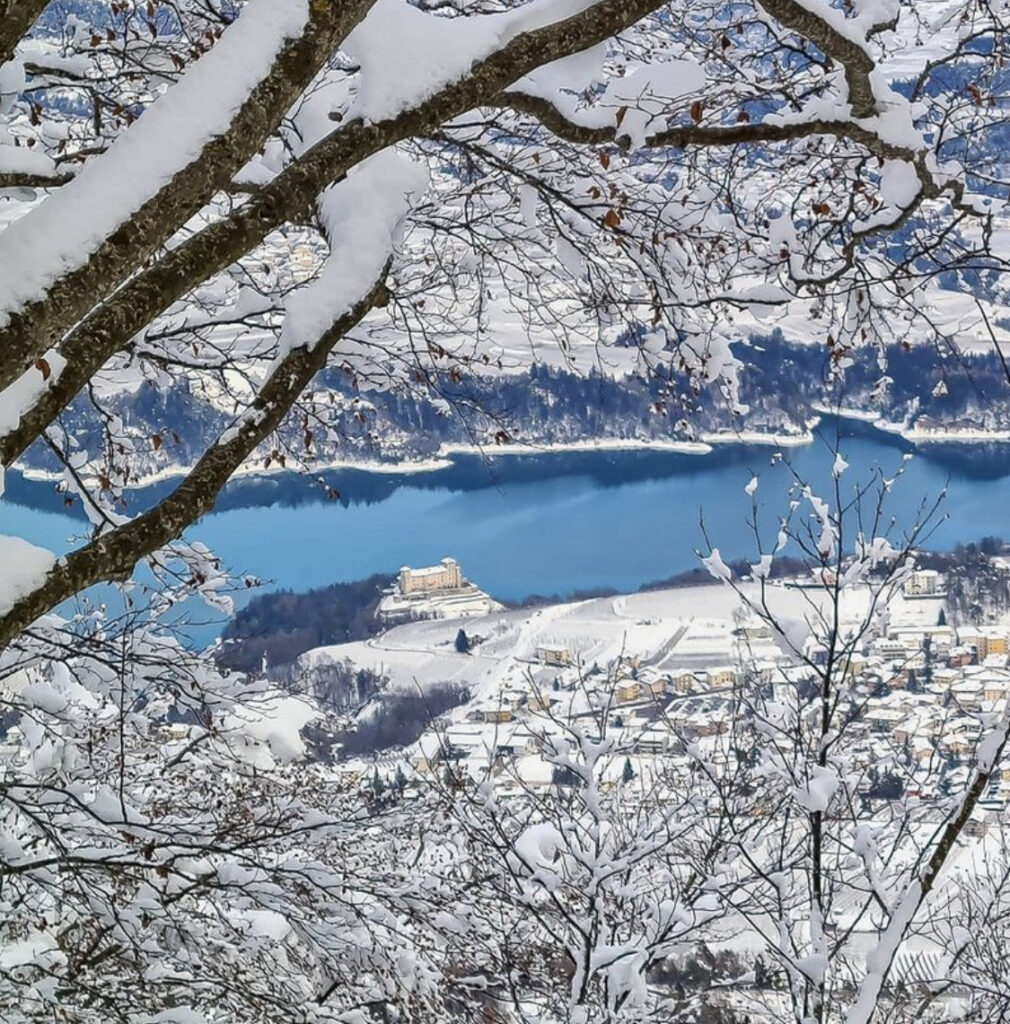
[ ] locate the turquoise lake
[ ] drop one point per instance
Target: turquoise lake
(552, 523)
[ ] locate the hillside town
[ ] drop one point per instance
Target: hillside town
(672, 668)
(930, 688)
(664, 685)
(619, 705)
(663, 670)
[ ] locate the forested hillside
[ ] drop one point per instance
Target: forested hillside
(276, 628)
(782, 385)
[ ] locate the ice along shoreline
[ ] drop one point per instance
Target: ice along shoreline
(987, 454)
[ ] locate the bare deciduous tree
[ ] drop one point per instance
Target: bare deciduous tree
(228, 199)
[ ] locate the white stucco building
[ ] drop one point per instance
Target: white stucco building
(444, 576)
(434, 592)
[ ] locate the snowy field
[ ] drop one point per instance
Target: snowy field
(688, 627)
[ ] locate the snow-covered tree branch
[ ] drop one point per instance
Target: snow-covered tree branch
(245, 201)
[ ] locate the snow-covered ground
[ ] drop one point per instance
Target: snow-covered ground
(462, 602)
(687, 627)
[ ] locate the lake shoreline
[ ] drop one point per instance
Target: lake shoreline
(610, 462)
(543, 524)
(706, 444)
(443, 458)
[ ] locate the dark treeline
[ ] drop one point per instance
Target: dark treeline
(280, 626)
(393, 720)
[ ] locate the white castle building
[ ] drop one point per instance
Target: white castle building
(434, 592)
(444, 576)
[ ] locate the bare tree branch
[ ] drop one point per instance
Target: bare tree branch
(113, 555)
(16, 17)
(14, 179)
(686, 136)
(857, 62)
(35, 328)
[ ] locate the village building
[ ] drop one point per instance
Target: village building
(923, 583)
(986, 641)
(685, 681)
(722, 675)
(629, 690)
(560, 657)
(657, 739)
